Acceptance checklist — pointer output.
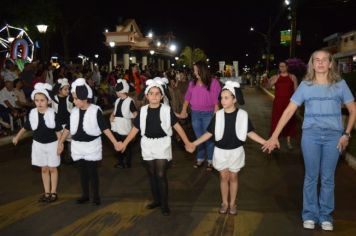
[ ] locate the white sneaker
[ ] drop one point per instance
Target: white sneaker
(309, 224)
(326, 225)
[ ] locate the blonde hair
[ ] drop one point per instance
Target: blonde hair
(333, 75)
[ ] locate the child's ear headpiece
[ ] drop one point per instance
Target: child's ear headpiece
(42, 88)
(82, 89)
(234, 88)
(154, 83)
(63, 82)
(122, 86)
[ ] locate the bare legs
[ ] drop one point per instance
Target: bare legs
(228, 187)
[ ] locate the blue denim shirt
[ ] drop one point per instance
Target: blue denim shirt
(322, 104)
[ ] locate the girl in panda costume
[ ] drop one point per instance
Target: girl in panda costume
(229, 126)
(155, 122)
(46, 133)
(86, 125)
(62, 104)
(121, 120)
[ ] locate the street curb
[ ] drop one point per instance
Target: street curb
(350, 160)
(8, 139)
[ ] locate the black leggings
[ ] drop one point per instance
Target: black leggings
(157, 173)
(89, 173)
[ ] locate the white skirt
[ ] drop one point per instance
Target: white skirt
(156, 148)
(121, 125)
(89, 151)
(45, 154)
(231, 159)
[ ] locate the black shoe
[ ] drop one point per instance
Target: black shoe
(45, 197)
(53, 197)
(166, 211)
(82, 200)
(153, 205)
(96, 202)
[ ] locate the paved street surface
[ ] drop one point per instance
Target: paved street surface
(269, 198)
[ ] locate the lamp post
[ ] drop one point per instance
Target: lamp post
(267, 39)
(42, 29)
(292, 5)
(112, 45)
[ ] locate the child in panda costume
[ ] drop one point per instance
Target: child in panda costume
(121, 120)
(155, 122)
(86, 126)
(46, 133)
(62, 104)
(229, 127)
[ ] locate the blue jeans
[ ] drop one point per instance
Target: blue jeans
(200, 123)
(320, 160)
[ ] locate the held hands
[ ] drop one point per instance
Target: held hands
(343, 142)
(120, 147)
(270, 145)
(190, 147)
(15, 140)
(182, 115)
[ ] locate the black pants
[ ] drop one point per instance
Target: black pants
(89, 173)
(157, 173)
(124, 158)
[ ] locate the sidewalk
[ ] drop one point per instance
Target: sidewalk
(350, 159)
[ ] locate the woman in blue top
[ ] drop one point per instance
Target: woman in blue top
(323, 93)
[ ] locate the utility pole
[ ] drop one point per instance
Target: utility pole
(293, 28)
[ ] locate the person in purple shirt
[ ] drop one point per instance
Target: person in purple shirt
(203, 97)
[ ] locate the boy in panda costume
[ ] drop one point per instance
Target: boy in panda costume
(86, 126)
(63, 105)
(229, 127)
(46, 133)
(155, 122)
(121, 120)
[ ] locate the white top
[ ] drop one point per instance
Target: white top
(9, 96)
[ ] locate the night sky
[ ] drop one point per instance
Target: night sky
(221, 28)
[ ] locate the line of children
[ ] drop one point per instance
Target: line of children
(46, 133)
(86, 126)
(229, 127)
(121, 121)
(155, 122)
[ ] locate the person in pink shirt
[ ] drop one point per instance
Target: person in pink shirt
(203, 97)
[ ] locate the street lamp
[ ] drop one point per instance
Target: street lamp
(42, 29)
(292, 5)
(267, 39)
(112, 45)
(172, 48)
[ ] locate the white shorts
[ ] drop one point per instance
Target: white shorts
(231, 159)
(89, 151)
(156, 148)
(45, 154)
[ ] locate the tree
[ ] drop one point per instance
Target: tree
(189, 56)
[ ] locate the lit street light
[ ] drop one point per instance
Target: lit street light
(172, 48)
(112, 45)
(267, 39)
(42, 29)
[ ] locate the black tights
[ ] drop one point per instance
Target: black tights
(157, 173)
(89, 173)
